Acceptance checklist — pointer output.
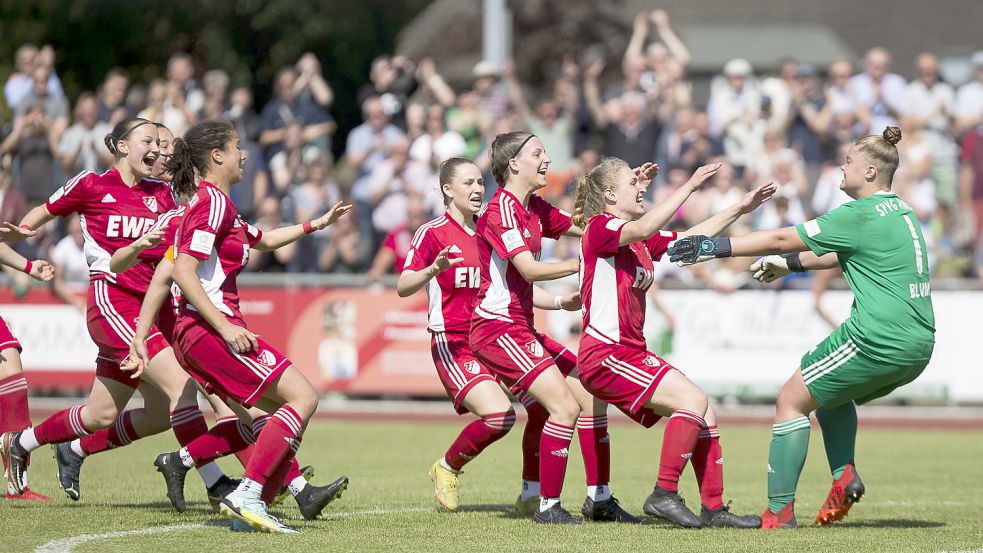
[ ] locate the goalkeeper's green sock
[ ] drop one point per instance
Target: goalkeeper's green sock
(786, 457)
(839, 427)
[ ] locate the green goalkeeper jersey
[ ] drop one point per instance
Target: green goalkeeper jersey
(880, 247)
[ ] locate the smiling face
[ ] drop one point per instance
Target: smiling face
(465, 190)
(139, 150)
(531, 164)
(626, 199)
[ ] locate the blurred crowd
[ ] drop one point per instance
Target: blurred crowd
(792, 127)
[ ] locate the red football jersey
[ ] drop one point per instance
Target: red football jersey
(113, 215)
(613, 280)
(212, 231)
(399, 242)
(452, 291)
(505, 228)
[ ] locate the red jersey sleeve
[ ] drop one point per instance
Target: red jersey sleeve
(204, 223)
(253, 234)
(602, 235)
(423, 250)
(555, 221)
(170, 221)
(71, 197)
(501, 231)
(658, 244)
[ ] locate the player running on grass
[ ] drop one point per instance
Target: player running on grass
(115, 208)
(510, 230)
(213, 245)
(619, 245)
(14, 412)
(444, 259)
(885, 343)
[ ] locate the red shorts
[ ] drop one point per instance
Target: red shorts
(242, 377)
(7, 338)
(112, 316)
(623, 376)
(457, 367)
(517, 355)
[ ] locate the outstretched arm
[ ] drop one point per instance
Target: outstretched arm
(536, 271)
(277, 238)
(410, 281)
(551, 302)
(657, 217)
(719, 222)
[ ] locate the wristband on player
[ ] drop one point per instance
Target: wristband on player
(794, 263)
(28, 267)
(25, 227)
(308, 227)
(558, 302)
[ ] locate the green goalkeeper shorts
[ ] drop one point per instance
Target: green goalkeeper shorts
(837, 371)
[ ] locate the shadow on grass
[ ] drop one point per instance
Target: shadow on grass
(490, 508)
(892, 523)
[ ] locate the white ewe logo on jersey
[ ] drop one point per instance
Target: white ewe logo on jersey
(151, 203)
(652, 361)
(266, 357)
(643, 278)
(535, 348)
(466, 277)
(471, 367)
(127, 227)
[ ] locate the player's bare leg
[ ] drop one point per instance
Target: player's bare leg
(592, 430)
(496, 417)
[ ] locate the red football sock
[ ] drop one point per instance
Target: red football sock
(63, 426)
(14, 412)
(553, 453)
(678, 443)
(595, 446)
(279, 439)
(477, 436)
(245, 454)
(708, 464)
(119, 434)
(228, 435)
(188, 423)
(532, 435)
(282, 472)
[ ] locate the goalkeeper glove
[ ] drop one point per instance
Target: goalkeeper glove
(697, 249)
(772, 267)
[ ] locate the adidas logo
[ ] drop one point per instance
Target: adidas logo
(687, 456)
(455, 249)
(606, 439)
(559, 453)
(108, 199)
(525, 232)
(770, 470)
(720, 461)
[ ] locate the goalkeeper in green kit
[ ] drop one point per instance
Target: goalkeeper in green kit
(885, 343)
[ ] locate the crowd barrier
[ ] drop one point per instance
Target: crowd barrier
(367, 341)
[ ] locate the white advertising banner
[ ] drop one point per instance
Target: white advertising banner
(54, 337)
(750, 342)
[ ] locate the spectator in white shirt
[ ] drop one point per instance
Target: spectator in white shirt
(71, 281)
(969, 100)
(878, 92)
(928, 107)
(81, 147)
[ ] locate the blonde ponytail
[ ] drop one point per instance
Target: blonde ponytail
(590, 189)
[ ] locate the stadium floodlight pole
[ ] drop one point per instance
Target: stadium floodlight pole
(496, 42)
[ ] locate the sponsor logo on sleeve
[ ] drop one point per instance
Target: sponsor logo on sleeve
(202, 242)
(812, 228)
(615, 224)
(512, 239)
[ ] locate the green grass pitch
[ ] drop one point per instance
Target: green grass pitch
(923, 494)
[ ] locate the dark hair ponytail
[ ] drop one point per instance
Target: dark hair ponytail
(121, 131)
(191, 154)
(182, 169)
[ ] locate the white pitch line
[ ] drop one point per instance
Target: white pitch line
(65, 545)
